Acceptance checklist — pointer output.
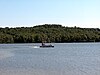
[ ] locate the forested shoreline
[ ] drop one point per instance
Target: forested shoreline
(54, 33)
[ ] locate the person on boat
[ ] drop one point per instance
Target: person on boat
(43, 44)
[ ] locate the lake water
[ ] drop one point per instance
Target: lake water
(63, 59)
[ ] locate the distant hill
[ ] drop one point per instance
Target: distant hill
(49, 33)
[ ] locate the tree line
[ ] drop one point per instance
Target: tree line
(49, 33)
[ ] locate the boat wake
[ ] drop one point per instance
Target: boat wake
(36, 46)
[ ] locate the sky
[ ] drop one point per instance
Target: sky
(28, 13)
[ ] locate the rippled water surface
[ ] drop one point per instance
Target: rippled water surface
(63, 59)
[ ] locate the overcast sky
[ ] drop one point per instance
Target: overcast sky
(27, 13)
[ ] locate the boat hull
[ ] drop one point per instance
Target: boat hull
(46, 46)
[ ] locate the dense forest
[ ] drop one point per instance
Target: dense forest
(49, 33)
